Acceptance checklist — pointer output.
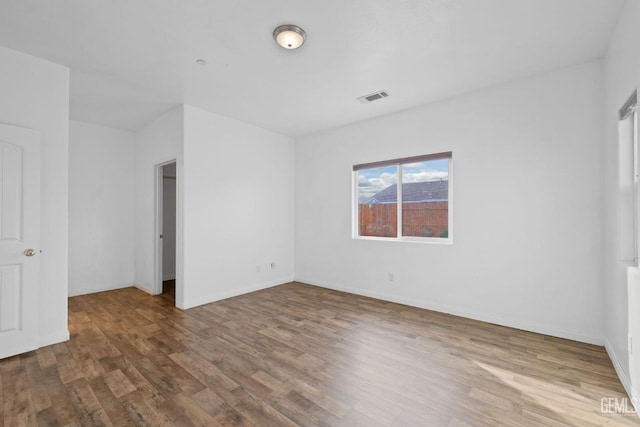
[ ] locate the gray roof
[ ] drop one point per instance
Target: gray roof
(430, 191)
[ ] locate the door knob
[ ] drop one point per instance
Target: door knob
(29, 252)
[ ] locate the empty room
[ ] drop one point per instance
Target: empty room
(338, 213)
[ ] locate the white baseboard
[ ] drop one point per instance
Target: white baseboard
(483, 317)
(143, 289)
(87, 291)
(4, 353)
(622, 375)
(624, 378)
(236, 292)
(54, 338)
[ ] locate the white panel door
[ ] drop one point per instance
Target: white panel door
(19, 239)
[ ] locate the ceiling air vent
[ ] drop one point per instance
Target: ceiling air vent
(373, 97)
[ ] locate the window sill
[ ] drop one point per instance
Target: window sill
(422, 240)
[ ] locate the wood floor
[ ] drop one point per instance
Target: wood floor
(301, 355)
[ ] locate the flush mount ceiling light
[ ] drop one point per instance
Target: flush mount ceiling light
(289, 36)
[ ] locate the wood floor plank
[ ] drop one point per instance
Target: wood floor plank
(196, 414)
(209, 401)
(301, 355)
(64, 411)
(111, 405)
(118, 383)
(87, 406)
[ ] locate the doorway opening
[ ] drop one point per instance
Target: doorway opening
(166, 228)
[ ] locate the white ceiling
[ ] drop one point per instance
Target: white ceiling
(131, 60)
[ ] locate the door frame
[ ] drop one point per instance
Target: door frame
(158, 225)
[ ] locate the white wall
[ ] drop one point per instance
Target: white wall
(622, 77)
(238, 207)
(35, 94)
(159, 142)
(168, 229)
(101, 183)
(527, 200)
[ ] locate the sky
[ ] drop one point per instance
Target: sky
(372, 181)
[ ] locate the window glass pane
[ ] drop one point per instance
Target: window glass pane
(425, 199)
(378, 201)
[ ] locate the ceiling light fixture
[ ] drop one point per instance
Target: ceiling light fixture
(289, 36)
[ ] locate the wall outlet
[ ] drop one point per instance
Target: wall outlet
(257, 269)
(273, 265)
(391, 278)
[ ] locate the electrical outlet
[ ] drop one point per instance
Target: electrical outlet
(273, 265)
(257, 269)
(391, 278)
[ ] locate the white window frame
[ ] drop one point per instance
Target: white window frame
(355, 226)
(628, 182)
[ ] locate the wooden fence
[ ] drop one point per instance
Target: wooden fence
(427, 219)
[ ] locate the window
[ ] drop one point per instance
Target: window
(628, 181)
(404, 199)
